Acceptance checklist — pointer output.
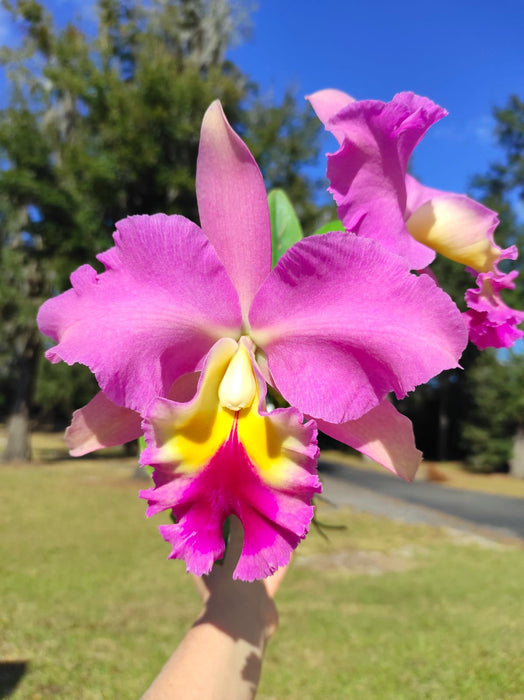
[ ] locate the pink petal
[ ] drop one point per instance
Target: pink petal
(326, 104)
(367, 173)
(268, 546)
(185, 387)
(417, 194)
(352, 325)
(101, 423)
(153, 314)
(384, 435)
(196, 537)
(493, 324)
(232, 203)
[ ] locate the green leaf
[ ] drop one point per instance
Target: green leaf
(335, 225)
(285, 226)
(141, 447)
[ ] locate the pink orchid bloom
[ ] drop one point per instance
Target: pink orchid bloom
(188, 326)
(377, 198)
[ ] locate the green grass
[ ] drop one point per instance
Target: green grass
(384, 611)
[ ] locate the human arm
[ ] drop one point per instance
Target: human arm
(220, 657)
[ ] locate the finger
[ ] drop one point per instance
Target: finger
(234, 544)
(273, 582)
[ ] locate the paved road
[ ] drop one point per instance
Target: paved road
(428, 502)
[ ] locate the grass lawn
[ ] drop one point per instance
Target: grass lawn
(383, 611)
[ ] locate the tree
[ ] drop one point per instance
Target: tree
(102, 126)
(280, 136)
(19, 342)
(496, 392)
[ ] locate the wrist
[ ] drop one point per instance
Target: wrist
(242, 614)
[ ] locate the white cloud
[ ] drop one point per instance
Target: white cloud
(446, 131)
(478, 128)
(481, 128)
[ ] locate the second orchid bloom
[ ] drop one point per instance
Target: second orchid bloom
(187, 328)
(378, 199)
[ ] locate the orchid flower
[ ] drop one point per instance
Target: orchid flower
(187, 327)
(371, 186)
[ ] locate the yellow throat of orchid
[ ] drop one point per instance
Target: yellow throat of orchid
(228, 398)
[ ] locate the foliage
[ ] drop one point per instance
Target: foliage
(100, 126)
(285, 226)
(60, 390)
(110, 124)
(279, 137)
(495, 386)
(334, 225)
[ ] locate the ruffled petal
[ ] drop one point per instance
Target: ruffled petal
(462, 230)
(493, 324)
(458, 228)
(384, 435)
(210, 462)
(152, 316)
(101, 423)
(232, 204)
(351, 325)
(274, 521)
(367, 174)
(326, 104)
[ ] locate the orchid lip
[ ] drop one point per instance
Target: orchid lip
(212, 460)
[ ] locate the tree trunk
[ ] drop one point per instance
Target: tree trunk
(516, 463)
(18, 446)
(443, 419)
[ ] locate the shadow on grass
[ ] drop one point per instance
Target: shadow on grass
(11, 673)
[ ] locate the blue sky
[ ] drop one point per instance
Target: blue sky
(467, 56)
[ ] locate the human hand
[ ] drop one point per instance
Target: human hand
(242, 609)
(221, 655)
